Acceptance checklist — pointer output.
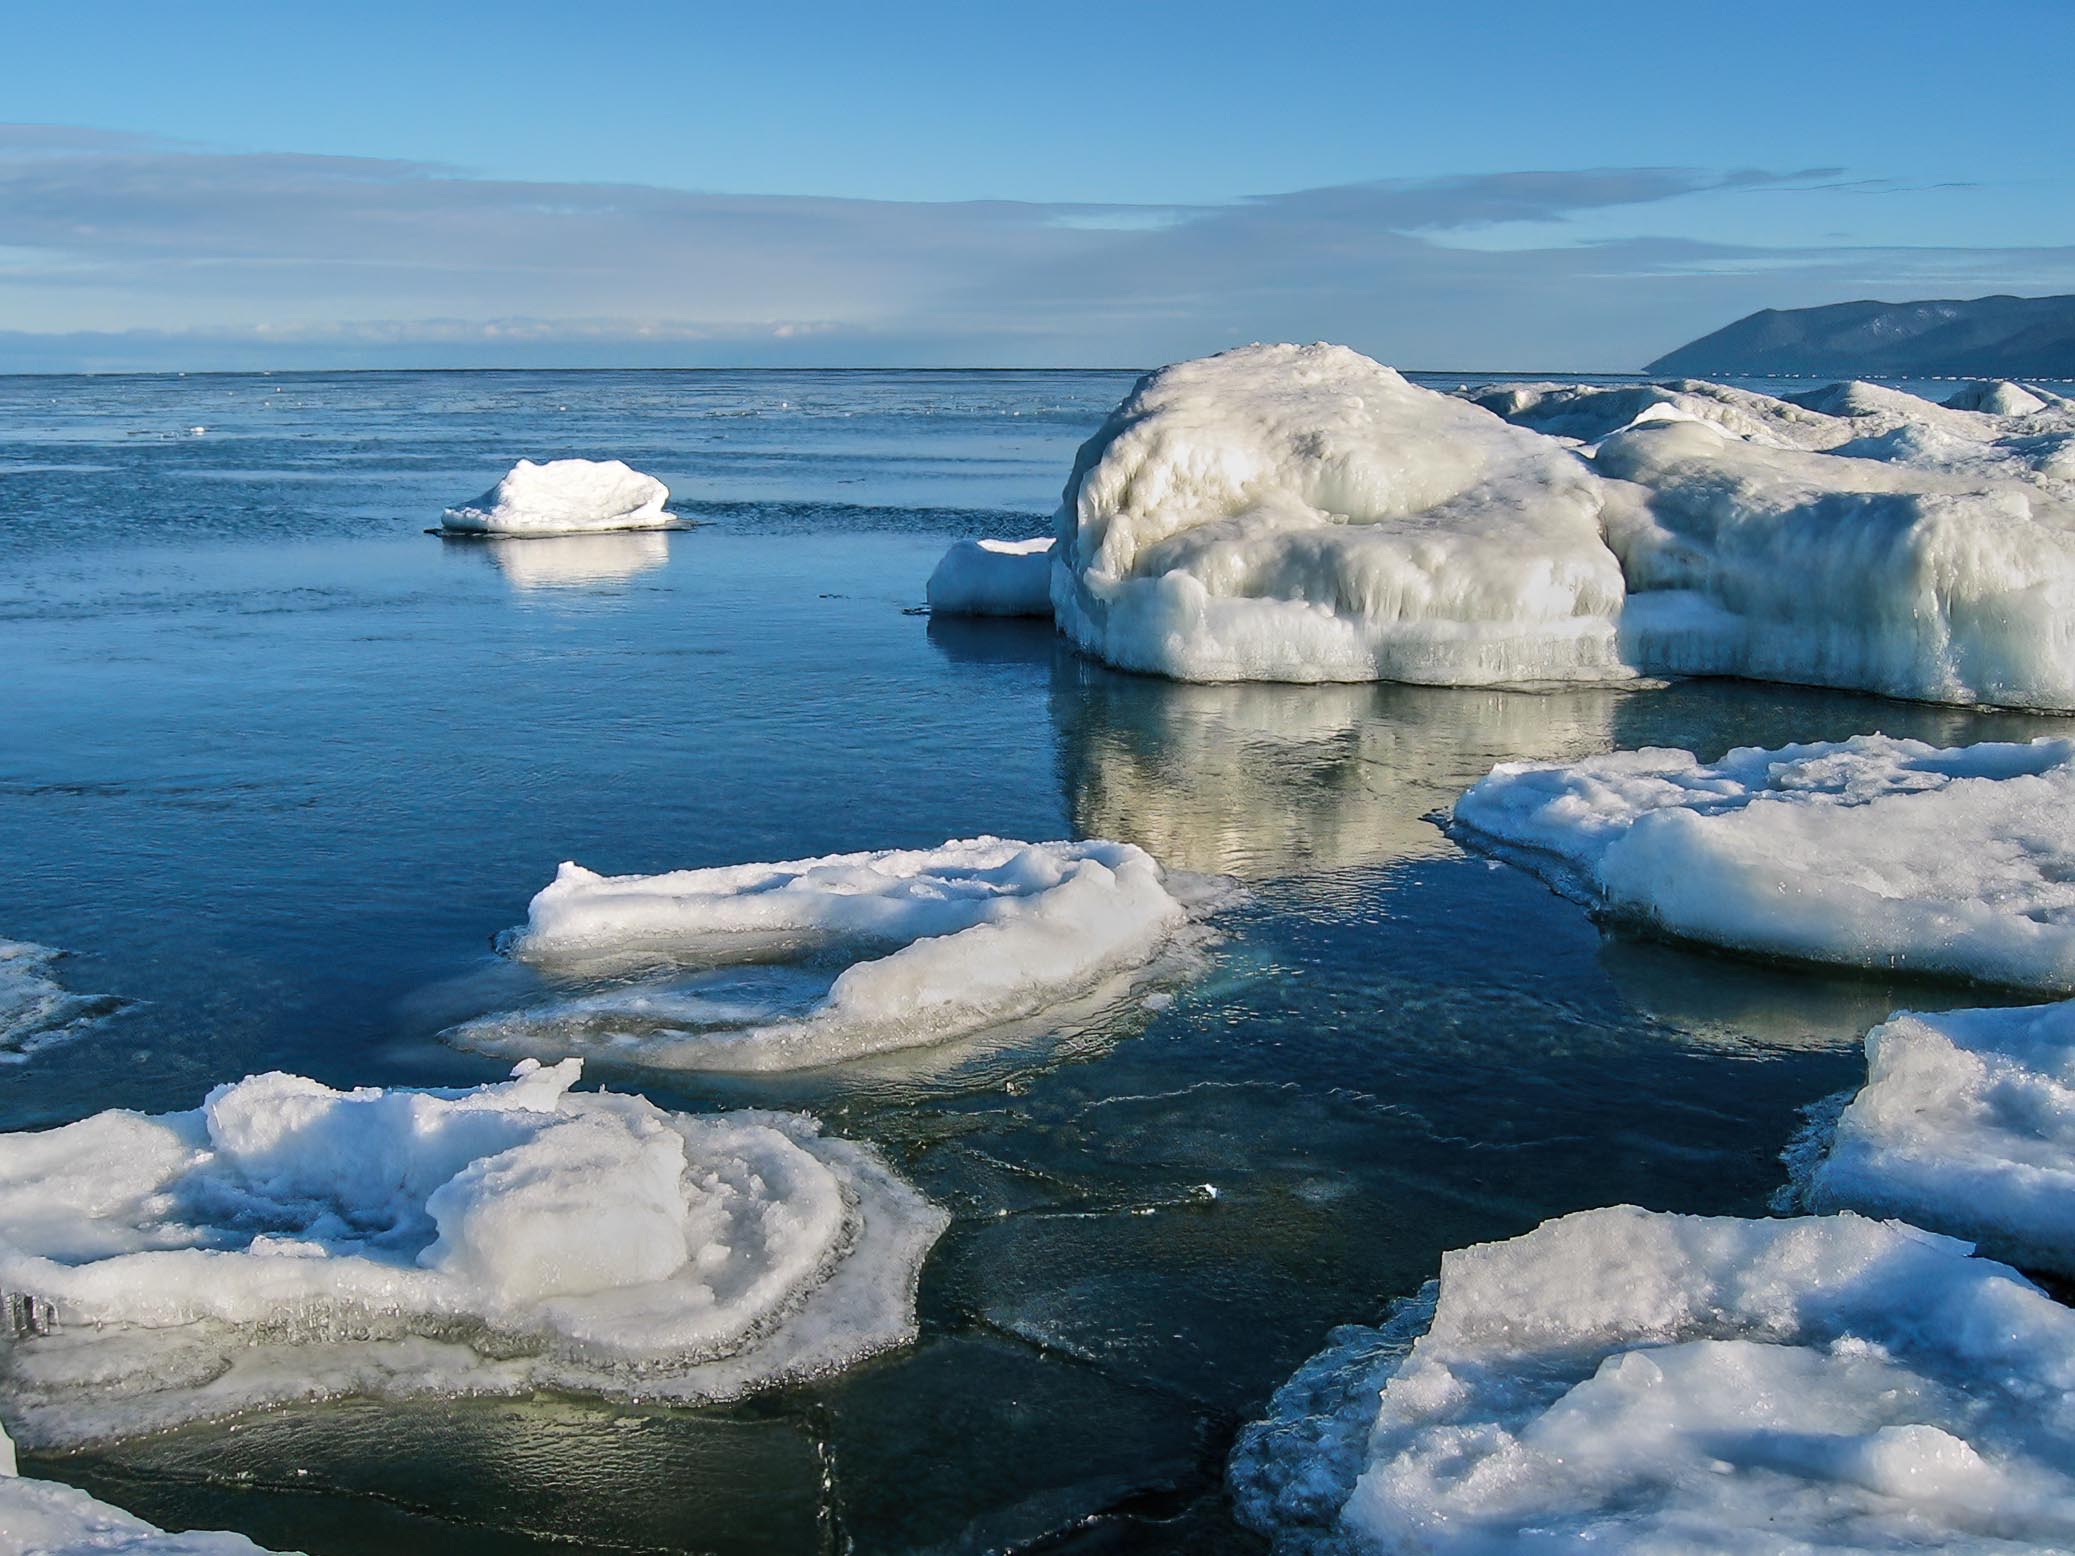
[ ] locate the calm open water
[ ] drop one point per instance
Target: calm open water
(276, 765)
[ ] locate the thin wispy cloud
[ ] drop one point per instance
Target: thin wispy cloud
(120, 250)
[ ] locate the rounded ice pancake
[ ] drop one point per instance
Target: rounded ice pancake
(288, 1241)
(1301, 513)
(1639, 1382)
(993, 578)
(1966, 1125)
(1868, 852)
(564, 497)
(813, 961)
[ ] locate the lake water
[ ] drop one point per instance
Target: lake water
(276, 765)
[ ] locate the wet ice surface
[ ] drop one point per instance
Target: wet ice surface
(273, 764)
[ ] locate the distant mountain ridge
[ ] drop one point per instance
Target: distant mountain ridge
(1982, 337)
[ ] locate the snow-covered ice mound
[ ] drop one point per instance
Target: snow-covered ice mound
(288, 1241)
(44, 1518)
(1997, 397)
(1966, 1125)
(1304, 514)
(1949, 578)
(953, 940)
(1870, 852)
(994, 578)
(1589, 412)
(564, 497)
(1628, 1381)
(35, 1009)
(1301, 513)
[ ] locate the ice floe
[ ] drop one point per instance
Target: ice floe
(1631, 1381)
(813, 961)
(1305, 514)
(1966, 1125)
(994, 578)
(44, 1518)
(564, 497)
(1998, 397)
(289, 1241)
(36, 1010)
(1870, 852)
(1941, 580)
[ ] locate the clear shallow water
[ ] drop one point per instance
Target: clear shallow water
(277, 765)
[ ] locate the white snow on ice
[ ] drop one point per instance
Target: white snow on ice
(1944, 580)
(564, 497)
(1998, 397)
(940, 942)
(1630, 1381)
(1966, 1125)
(1870, 852)
(994, 578)
(1302, 513)
(44, 1518)
(288, 1241)
(36, 1010)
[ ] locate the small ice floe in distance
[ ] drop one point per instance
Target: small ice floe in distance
(45, 1518)
(288, 1241)
(1625, 1380)
(1869, 852)
(994, 578)
(1966, 1125)
(36, 1010)
(937, 943)
(564, 497)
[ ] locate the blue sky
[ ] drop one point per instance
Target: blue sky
(1506, 185)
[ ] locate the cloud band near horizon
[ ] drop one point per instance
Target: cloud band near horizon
(127, 252)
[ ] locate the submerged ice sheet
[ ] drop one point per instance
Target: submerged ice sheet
(1642, 1382)
(1966, 1125)
(287, 1241)
(994, 578)
(36, 1010)
(564, 497)
(952, 940)
(1302, 513)
(44, 1518)
(1869, 852)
